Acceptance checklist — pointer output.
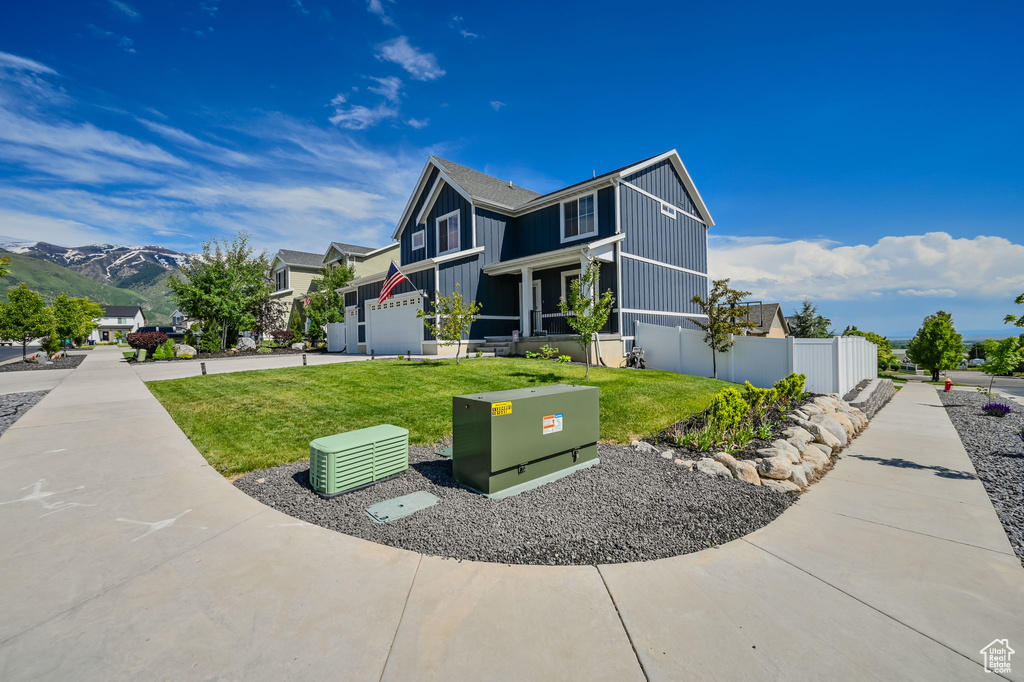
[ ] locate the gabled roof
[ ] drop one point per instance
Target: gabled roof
(302, 259)
(482, 186)
(349, 248)
(121, 310)
(764, 316)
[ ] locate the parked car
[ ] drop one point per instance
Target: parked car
(174, 334)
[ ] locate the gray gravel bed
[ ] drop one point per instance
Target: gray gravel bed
(630, 507)
(13, 405)
(70, 362)
(997, 454)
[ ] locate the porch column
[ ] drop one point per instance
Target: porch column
(585, 289)
(526, 302)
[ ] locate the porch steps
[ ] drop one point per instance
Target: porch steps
(498, 345)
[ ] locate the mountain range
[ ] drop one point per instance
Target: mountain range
(112, 274)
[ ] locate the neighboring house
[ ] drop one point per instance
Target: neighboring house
(517, 252)
(768, 321)
(179, 319)
(117, 318)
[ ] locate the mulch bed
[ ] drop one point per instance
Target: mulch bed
(243, 354)
(70, 362)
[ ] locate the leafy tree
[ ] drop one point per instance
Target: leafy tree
(585, 311)
(977, 350)
(326, 305)
(1017, 320)
(74, 318)
(5, 266)
(725, 317)
(937, 345)
(886, 358)
(1003, 357)
(450, 318)
(808, 324)
(24, 317)
(295, 323)
(222, 286)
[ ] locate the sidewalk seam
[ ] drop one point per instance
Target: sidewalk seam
(618, 613)
(908, 492)
(861, 601)
(401, 617)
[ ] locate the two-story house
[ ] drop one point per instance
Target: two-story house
(516, 252)
(117, 318)
(294, 272)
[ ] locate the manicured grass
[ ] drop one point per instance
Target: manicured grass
(252, 420)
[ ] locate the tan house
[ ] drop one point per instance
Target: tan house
(768, 321)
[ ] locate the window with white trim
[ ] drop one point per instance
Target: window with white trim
(281, 279)
(567, 279)
(669, 210)
(448, 233)
(419, 240)
(579, 217)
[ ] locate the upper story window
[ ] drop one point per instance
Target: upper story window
(122, 320)
(579, 217)
(669, 210)
(281, 279)
(448, 233)
(419, 239)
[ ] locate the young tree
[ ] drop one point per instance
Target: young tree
(725, 317)
(5, 266)
(269, 312)
(223, 285)
(808, 324)
(74, 318)
(937, 345)
(326, 305)
(1002, 357)
(886, 358)
(450, 318)
(585, 311)
(24, 317)
(1017, 320)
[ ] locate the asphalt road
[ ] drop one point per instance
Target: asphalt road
(8, 352)
(1013, 385)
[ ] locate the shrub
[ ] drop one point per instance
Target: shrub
(51, 344)
(759, 398)
(996, 409)
(479, 353)
(165, 351)
(263, 350)
(791, 387)
(190, 338)
(727, 410)
(547, 352)
(210, 340)
(148, 341)
(186, 356)
(563, 359)
(283, 336)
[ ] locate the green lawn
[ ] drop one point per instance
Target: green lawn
(252, 420)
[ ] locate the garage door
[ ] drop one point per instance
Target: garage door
(392, 327)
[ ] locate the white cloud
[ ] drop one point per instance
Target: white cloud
(496, 105)
(125, 10)
(15, 63)
(228, 157)
(418, 123)
(210, 6)
(358, 117)
(422, 66)
(456, 23)
(45, 228)
(389, 88)
(468, 34)
(297, 4)
(377, 8)
(927, 265)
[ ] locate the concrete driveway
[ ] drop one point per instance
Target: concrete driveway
(126, 556)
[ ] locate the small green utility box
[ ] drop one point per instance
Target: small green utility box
(507, 442)
(348, 461)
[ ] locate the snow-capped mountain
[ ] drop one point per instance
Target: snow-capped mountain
(115, 264)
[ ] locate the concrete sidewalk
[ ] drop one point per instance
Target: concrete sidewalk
(32, 380)
(139, 561)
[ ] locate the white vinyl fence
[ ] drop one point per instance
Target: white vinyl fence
(833, 365)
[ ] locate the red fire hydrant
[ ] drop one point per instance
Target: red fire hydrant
(949, 385)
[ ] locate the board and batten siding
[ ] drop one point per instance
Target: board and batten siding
(682, 241)
(541, 230)
(405, 239)
(662, 181)
(652, 287)
(494, 232)
(448, 200)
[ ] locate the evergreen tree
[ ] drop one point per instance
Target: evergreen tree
(937, 345)
(808, 324)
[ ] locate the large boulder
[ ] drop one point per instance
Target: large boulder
(827, 422)
(845, 422)
(811, 409)
(799, 476)
(183, 349)
(298, 346)
(827, 405)
(815, 457)
(746, 471)
(778, 452)
(785, 446)
(779, 468)
(824, 436)
(724, 458)
(798, 437)
(858, 417)
(780, 486)
(245, 343)
(712, 468)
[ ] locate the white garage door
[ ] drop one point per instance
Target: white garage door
(392, 327)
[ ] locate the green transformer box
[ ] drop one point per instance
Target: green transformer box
(507, 442)
(348, 461)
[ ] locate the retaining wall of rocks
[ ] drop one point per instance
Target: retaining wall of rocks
(873, 396)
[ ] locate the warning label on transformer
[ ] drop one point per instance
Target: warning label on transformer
(551, 424)
(501, 409)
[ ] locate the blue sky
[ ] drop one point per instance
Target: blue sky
(867, 157)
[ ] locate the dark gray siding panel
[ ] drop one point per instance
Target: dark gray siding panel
(495, 232)
(662, 181)
(629, 321)
(484, 328)
(407, 254)
(351, 298)
(496, 295)
(653, 287)
(539, 232)
(447, 201)
(650, 234)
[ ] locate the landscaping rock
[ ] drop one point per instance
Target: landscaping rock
(183, 349)
(712, 468)
(862, 419)
(668, 454)
(745, 471)
(724, 458)
(687, 463)
(799, 476)
(800, 414)
(790, 455)
(298, 346)
(811, 409)
(645, 448)
(798, 436)
(845, 422)
(814, 457)
(827, 405)
(779, 468)
(786, 446)
(824, 436)
(780, 486)
(826, 422)
(874, 396)
(245, 343)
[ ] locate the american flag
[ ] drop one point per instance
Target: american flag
(394, 278)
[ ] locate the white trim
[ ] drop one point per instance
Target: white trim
(428, 204)
(618, 207)
(628, 338)
(424, 174)
(549, 258)
(455, 255)
(281, 292)
(561, 218)
(437, 232)
(662, 201)
(423, 235)
(618, 285)
(661, 312)
(663, 265)
(684, 175)
(562, 277)
(472, 222)
(376, 251)
(669, 210)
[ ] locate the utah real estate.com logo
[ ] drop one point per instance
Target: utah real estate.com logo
(997, 656)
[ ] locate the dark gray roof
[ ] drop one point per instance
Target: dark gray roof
(352, 248)
(121, 310)
(482, 186)
(301, 258)
(763, 316)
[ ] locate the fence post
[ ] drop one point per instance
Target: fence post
(836, 353)
(679, 350)
(791, 352)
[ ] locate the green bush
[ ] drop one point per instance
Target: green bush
(791, 387)
(186, 356)
(211, 340)
(760, 398)
(165, 351)
(264, 350)
(727, 410)
(51, 344)
(563, 359)
(190, 338)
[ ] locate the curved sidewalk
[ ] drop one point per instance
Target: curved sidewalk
(125, 556)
